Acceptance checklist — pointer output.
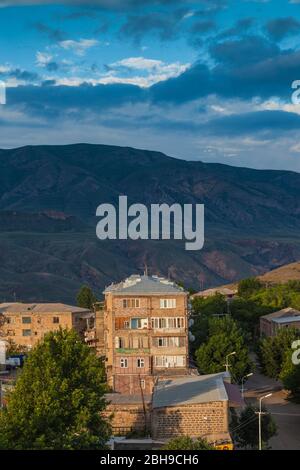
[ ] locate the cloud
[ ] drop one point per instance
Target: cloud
(282, 27)
(54, 34)
(150, 71)
(107, 4)
(163, 24)
(241, 51)
(79, 47)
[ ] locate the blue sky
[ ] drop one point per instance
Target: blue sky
(207, 80)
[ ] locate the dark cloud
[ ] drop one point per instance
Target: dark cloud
(241, 27)
(49, 100)
(282, 27)
(202, 26)
(253, 123)
(242, 51)
(162, 24)
(236, 75)
(55, 34)
(19, 74)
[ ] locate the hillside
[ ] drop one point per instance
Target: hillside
(289, 272)
(48, 200)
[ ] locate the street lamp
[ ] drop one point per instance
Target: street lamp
(243, 381)
(259, 418)
(227, 363)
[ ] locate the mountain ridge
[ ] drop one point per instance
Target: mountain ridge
(252, 218)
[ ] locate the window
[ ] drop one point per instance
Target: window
(169, 361)
(55, 319)
(26, 332)
(119, 342)
(131, 303)
(171, 322)
(167, 303)
(138, 323)
(123, 362)
(26, 320)
(126, 324)
(140, 362)
(168, 342)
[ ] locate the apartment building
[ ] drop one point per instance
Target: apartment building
(26, 324)
(145, 331)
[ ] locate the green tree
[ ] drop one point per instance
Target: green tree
(187, 443)
(86, 298)
(58, 399)
(290, 376)
(224, 337)
(272, 351)
(249, 286)
(244, 428)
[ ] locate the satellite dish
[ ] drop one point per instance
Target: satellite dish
(191, 337)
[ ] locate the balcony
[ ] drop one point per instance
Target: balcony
(132, 350)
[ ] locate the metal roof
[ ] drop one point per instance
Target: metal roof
(19, 307)
(290, 319)
(137, 284)
(190, 390)
(285, 312)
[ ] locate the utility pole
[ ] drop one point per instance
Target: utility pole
(260, 413)
(227, 363)
(243, 382)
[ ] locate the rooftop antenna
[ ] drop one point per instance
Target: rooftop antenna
(145, 270)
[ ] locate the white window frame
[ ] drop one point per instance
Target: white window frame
(141, 361)
(131, 303)
(167, 303)
(124, 363)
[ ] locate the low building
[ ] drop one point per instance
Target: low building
(285, 318)
(227, 292)
(26, 324)
(197, 406)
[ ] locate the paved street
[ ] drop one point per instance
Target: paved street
(285, 413)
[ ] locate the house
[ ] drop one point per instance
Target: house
(227, 292)
(198, 406)
(285, 318)
(26, 323)
(146, 332)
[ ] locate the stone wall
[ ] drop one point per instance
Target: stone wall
(193, 420)
(126, 418)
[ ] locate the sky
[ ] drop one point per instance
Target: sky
(209, 80)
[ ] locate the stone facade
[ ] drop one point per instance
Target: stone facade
(204, 419)
(146, 334)
(26, 324)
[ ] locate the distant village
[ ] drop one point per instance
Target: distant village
(142, 331)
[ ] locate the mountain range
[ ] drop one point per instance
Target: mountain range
(48, 201)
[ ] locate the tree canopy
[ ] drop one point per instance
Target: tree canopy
(224, 338)
(244, 428)
(86, 298)
(187, 443)
(58, 399)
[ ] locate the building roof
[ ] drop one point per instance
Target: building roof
(189, 390)
(137, 284)
(285, 312)
(216, 290)
(126, 399)
(290, 319)
(19, 307)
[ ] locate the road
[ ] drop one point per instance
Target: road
(285, 413)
